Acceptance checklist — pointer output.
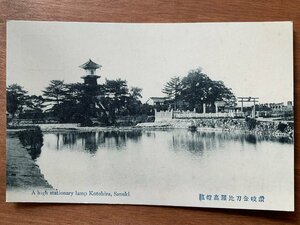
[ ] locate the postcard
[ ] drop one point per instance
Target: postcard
(172, 114)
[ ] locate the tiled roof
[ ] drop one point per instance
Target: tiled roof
(90, 65)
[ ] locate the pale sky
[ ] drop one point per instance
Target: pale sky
(254, 59)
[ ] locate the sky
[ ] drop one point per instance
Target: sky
(253, 59)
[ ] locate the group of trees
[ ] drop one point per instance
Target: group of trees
(191, 91)
(18, 101)
(76, 102)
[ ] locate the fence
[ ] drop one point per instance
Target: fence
(164, 116)
(180, 115)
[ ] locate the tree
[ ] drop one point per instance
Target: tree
(173, 88)
(197, 88)
(133, 104)
(74, 102)
(63, 98)
(219, 92)
(136, 93)
(120, 100)
(74, 92)
(16, 99)
(117, 95)
(55, 92)
(36, 102)
(88, 104)
(34, 108)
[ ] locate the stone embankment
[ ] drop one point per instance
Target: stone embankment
(268, 128)
(21, 170)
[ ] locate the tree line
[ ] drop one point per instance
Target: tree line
(80, 103)
(77, 102)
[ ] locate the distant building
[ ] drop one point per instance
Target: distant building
(276, 106)
(280, 106)
(157, 101)
(275, 109)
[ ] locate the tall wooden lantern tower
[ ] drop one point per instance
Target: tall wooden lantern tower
(90, 68)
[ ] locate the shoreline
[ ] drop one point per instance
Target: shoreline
(263, 128)
(237, 127)
(21, 170)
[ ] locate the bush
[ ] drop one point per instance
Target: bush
(251, 123)
(282, 127)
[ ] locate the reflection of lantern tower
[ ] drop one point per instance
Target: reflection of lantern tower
(90, 68)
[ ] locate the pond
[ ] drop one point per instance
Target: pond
(169, 166)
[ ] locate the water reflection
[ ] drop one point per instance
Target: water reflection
(181, 140)
(250, 138)
(285, 140)
(32, 140)
(149, 160)
(92, 141)
(190, 141)
(196, 142)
